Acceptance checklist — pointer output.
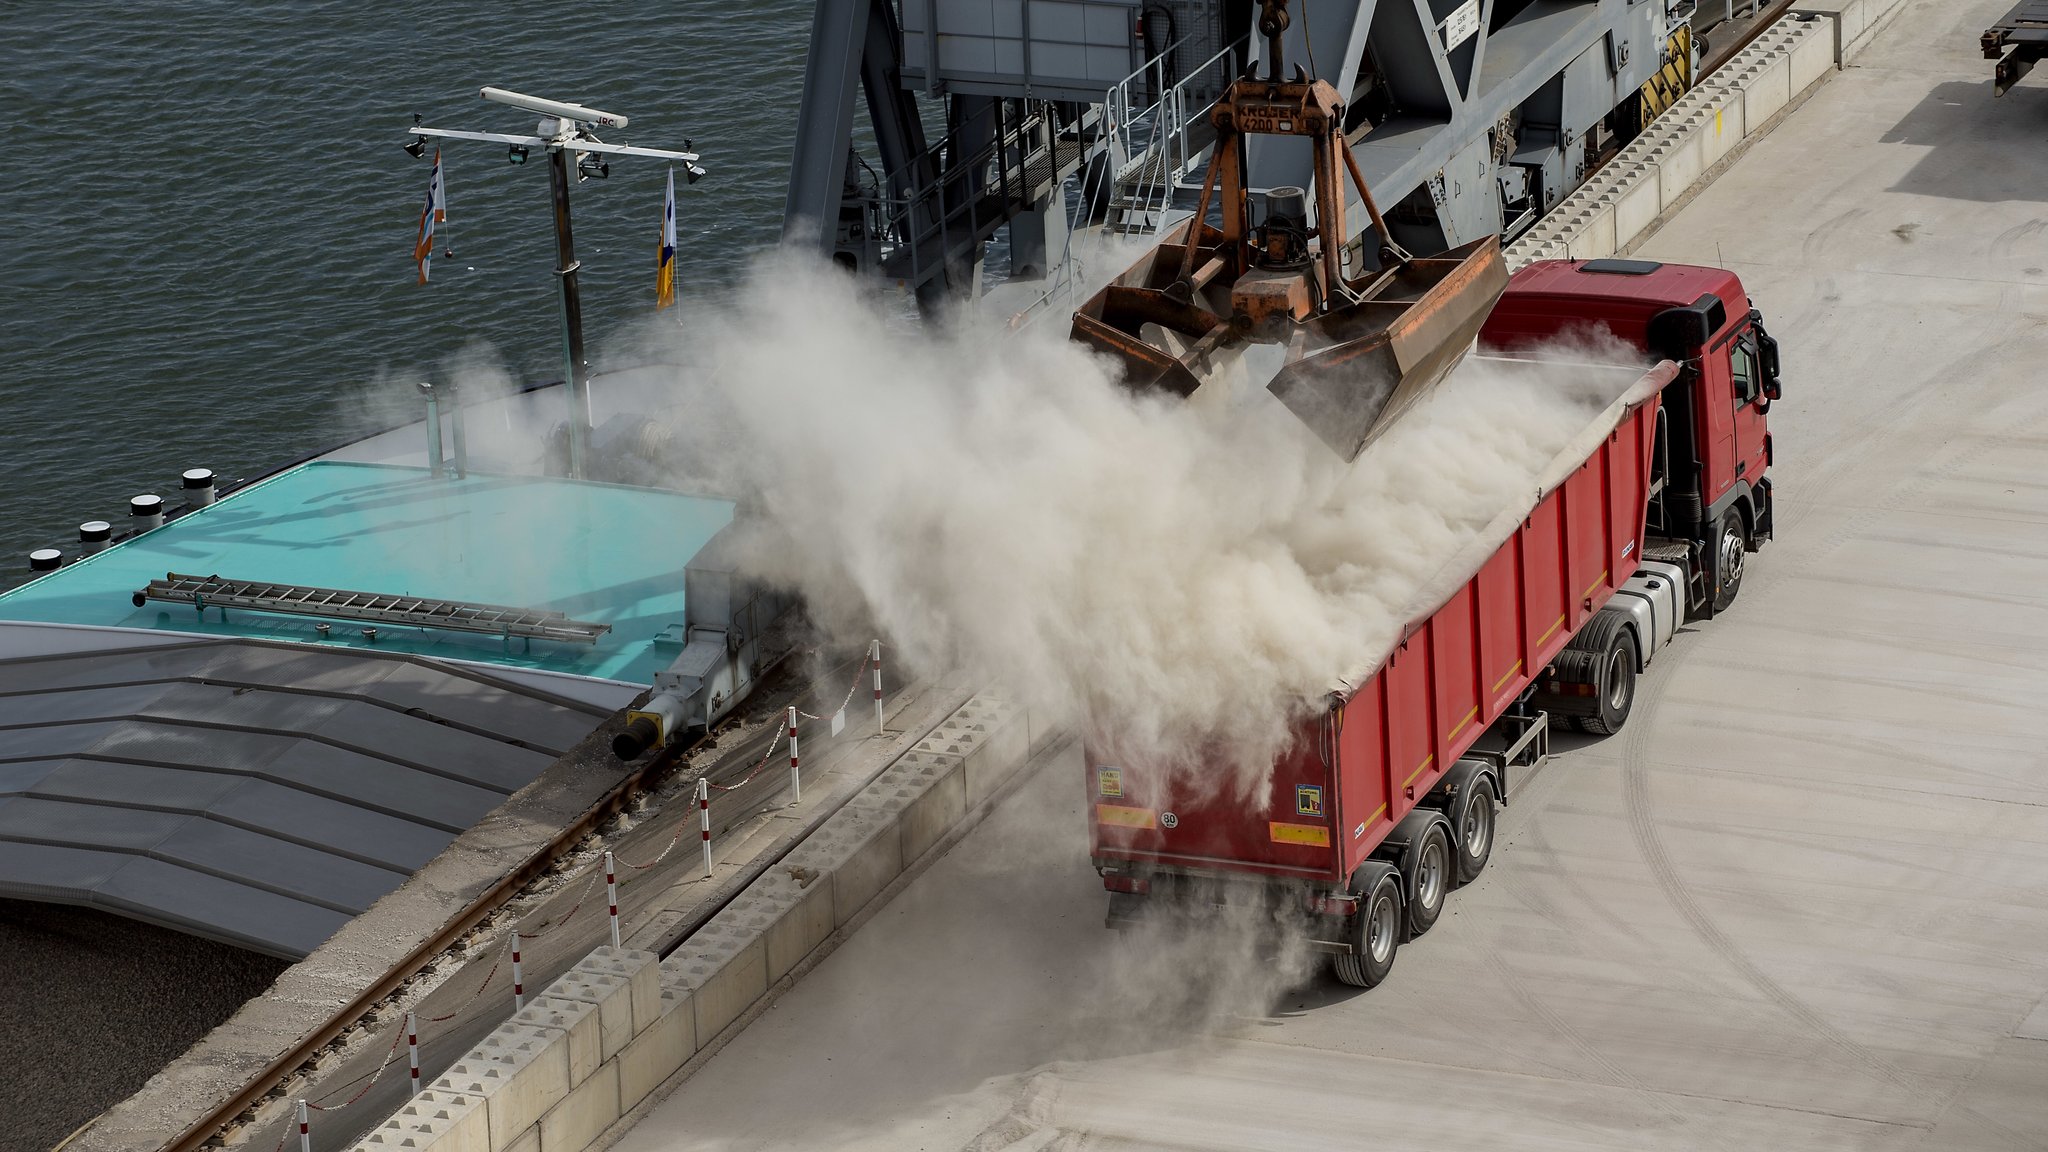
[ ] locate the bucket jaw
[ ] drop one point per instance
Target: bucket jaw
(1360, 352)
(1351, 372)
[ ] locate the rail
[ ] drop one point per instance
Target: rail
(536, 866)
(962, 192)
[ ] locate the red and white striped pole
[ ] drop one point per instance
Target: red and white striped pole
(876, 652)
(704, 819)
(611, 895)
(412, 1049)
(305, 1130)
(796, 784)
(518, 978)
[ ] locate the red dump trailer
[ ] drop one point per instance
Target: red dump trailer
(1387, 799)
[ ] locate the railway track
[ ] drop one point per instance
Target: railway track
(728, 754)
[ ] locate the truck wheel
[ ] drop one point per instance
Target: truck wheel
(1617, 685)
(1473, 822)
(1376, 935)
(1431, 872)
(1730, 546)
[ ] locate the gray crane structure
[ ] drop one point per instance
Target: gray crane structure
(1467, 118)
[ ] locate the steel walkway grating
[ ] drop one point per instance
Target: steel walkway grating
(203, 592)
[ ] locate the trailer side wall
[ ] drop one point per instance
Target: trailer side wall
(1458, 670)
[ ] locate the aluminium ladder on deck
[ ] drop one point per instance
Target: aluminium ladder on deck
(205, 592)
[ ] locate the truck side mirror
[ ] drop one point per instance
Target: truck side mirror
(1767, 362)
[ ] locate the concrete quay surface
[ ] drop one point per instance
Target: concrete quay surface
(1801, 901)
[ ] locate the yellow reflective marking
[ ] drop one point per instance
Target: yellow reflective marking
(1507, 675)
(1419, 769)
(1594, 586)
(1118, 816)
(1551, 631)
(1376, 814)
(1469, 717)
(1313, 835)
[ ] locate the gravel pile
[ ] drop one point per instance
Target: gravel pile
(95, 1005)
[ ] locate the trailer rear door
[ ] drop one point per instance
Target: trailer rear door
(1202, 821)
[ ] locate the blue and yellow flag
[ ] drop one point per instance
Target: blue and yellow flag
(435, 212)
(665, 254)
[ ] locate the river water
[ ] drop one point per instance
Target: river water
(207, 226)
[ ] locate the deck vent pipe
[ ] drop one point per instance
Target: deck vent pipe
(145, 513)
(198, 487)
(44, 560)
(94, 535)
(455, 427)
(434, 466)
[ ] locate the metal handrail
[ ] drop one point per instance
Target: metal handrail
(1159, 133)
(910, 220)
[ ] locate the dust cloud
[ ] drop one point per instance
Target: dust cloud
(1178, 579)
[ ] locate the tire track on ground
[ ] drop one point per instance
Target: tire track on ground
(1639, 799)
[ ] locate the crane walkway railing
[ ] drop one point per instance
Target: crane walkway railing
(1159, 131)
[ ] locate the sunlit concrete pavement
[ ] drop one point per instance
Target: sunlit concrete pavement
(1801, 901)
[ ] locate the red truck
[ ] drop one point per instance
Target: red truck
(1388, 797)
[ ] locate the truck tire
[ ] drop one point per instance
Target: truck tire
(1731, 544)
(1472, 825)
(1376, 933)
(1616, 683)
(1432, 871)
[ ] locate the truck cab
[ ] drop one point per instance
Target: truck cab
(1710, 490)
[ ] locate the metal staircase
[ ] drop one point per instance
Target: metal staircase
(203, 592)
(1159, 133)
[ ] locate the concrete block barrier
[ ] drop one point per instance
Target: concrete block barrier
(1722, 124)
(724, 966)
(435, 1119)
(600, 1040)
(861, 850)
(640, 970)
(923, 794)
(1623, 202)
(1854, 22)
(584, 1114)
(657, 1053)
(803, 902)
(520, 1073)
(610, 994)
(578, 1024)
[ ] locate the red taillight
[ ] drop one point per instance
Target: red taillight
(1131, 884)
(1332, 904)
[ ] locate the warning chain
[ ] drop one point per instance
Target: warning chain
(488, 977)
(397, 1035)
(848, 702)
(566, 916)
(765, 757)
(672, 842)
